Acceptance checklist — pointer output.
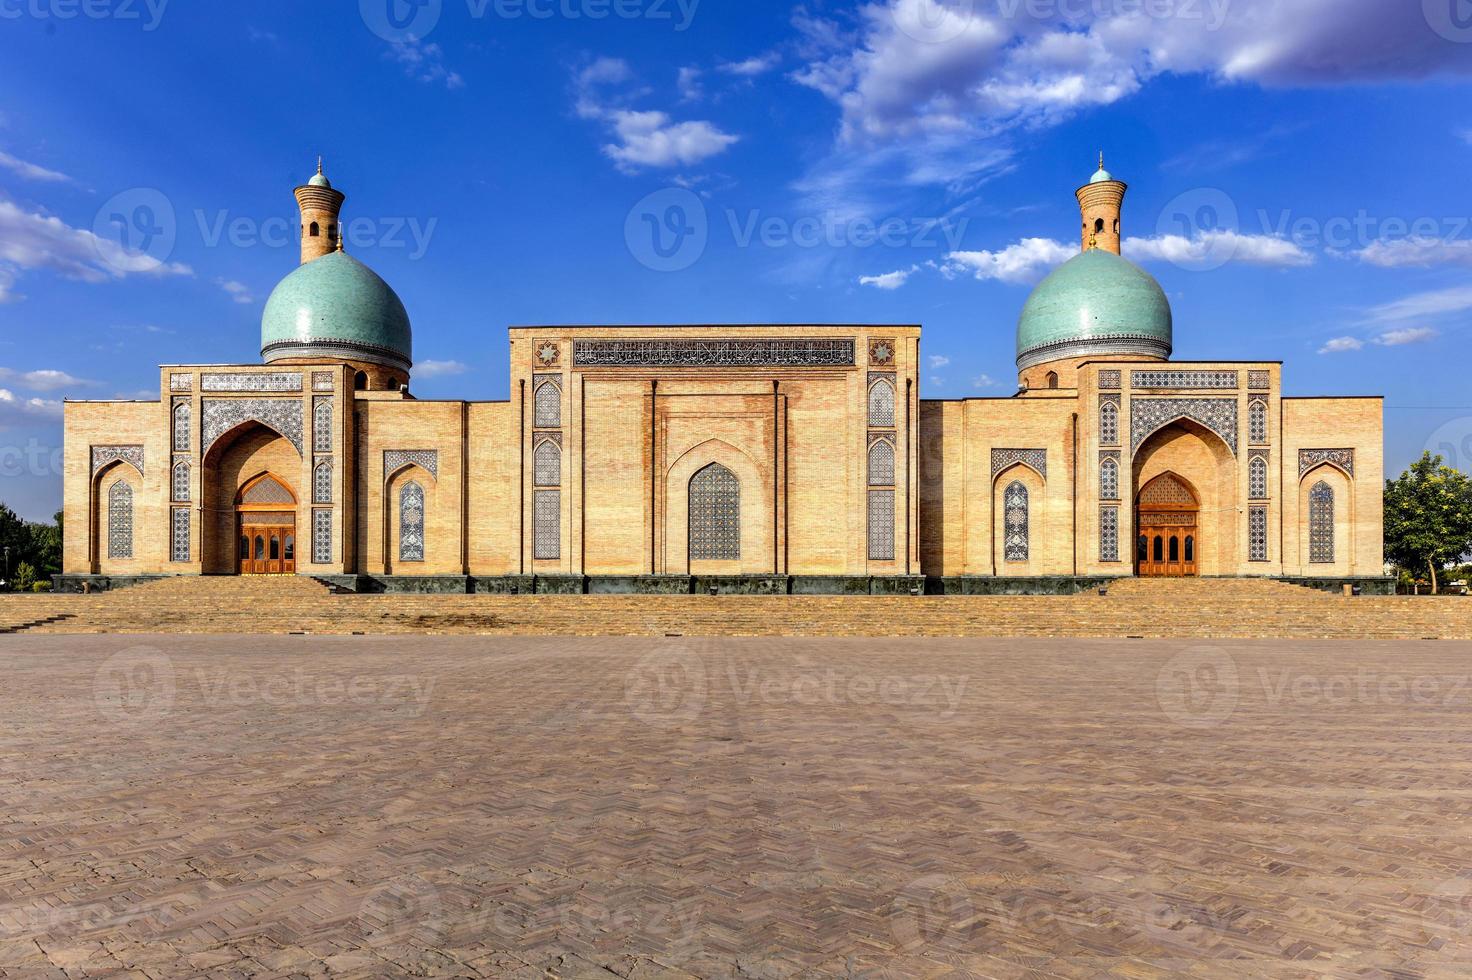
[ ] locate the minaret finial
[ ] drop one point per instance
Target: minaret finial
(319, 162)
(1101, 162)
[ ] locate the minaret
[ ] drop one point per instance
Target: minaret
(319, 205)
(1100, 202)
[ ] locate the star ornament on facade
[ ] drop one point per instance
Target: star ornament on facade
(881, 352)
(547, 354)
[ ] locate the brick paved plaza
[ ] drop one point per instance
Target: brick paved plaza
(389, 806)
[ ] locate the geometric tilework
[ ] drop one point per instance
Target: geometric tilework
(547, 464)
(429, 459)
(282, 415)
(322, 537)
(279, 381)
(1321, 523)
(1257, 534)
(715, 514)
(1109, 534)
(179, 534)
(322, 482)
(1108, 477)
(1036, 458)
(1257, 422)
(1258, 380)
(322, 424)
(179, 487)
(1147, 415)
(1109, 422)
(1109, 378)
(881, 523)
(881, 464)
(547, 524)
(548, 404)
(881, 404)
(102, 455)
(181, 382)
(1183, 379)
(411, 522)
(322, 380)
(120, 520)
(1015, 521)
(181, 425)
(1309, 458)
(1257, 477)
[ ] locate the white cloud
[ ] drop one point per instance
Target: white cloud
(937, 382)
(1405, 335)
(1218, 247)
(438, 369)
(751, 67)
(14, 409)
(938, 361)
(888, 280)
(652, 139)
(1466, 136)
(688, 83)
(1024, 262)
(1402, 252)
(45, 379)
(31, 171)
(29, 241)
(424, 63)
(1422, 305)
(1341, 344)
(238, 291)
(645, 138)
(983, 381)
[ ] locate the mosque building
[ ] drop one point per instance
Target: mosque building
(750, 457)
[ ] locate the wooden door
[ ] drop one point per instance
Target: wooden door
(1168, 532)
(266, 518)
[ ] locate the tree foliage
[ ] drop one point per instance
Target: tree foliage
(1428, 517)
(31, 543)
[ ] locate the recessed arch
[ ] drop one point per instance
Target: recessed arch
(715, 514)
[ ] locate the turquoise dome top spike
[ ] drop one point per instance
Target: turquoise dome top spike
(335, 306)
(1101, 175)
(1095, 303)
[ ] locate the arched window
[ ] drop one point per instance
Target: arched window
(881, 404)
(1109, 424)
(881, 464)
(1257, 478)
(322, 425)
(411, 522)
(313, 230)
(1257, 423)
(1108, 480)
(1014, 503)
(1099, 226)
(548, 407)
(322, 483)
(547, 464)
(715, 514)
(120, 520)
(1321, 524)
(360, 381)
(1052, 379)
(181, 427)
(180, 486)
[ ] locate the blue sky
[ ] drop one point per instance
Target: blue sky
(1298, 180)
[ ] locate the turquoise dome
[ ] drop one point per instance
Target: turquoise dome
(1101, 175)
(1095, 303)
(335, 306)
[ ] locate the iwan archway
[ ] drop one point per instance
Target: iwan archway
(1167, 518)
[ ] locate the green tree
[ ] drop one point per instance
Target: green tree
(25, 577)
(1428, 516)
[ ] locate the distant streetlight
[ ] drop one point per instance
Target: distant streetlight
(7, 566)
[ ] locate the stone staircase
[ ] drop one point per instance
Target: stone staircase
(1182, 608)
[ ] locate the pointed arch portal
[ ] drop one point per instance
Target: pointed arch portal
(1168, 541)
